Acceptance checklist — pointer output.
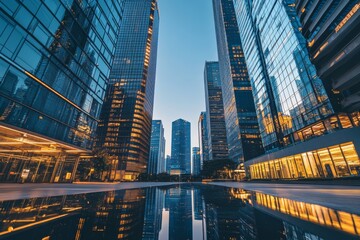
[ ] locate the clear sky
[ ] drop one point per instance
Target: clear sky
(186, 41)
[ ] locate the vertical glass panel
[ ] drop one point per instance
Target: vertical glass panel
(327, 163)
(278, 169)
(285, 168)
(300, 166)
(307, 166)
(345, 121)
(293, 170)
(339, 161)
(313, 164)
(352, 158)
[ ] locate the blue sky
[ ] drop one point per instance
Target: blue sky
(186, 41)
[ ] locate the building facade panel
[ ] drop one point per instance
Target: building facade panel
(218, 147)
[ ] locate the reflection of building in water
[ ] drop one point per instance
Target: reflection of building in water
(155, 200)
(40, 218)
(324, 216)
(198, 204)
(228, 216)
(110, 215)
(53, 54)
(178, 202)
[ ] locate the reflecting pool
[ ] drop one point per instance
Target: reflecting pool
(187, 211)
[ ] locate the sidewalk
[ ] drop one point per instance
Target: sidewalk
(13, 191)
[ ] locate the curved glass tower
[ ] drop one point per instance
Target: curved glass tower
(125, 126)
(55, 60)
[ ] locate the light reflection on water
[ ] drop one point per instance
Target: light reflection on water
(186, 212)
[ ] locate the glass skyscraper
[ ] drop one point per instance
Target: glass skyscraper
(156, 163)
(203, 138)
(180, 148)
(291, 100)
(331, 29)
(196, 161)
(125, 126)
(240, 116)
(55, 60)
(216, 129)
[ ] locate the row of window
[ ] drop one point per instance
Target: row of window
(332, 162)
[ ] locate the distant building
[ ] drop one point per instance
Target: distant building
(215, 121)
(196, 164)
(242, 128)
(203, 138)
(180, 147)
(156, 163)
(126, 117)
(168, 163)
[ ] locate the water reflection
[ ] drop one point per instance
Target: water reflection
(186, 212)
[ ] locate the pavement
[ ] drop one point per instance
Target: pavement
(344, 198)
(14, 191)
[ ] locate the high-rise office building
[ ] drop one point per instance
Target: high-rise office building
(242, 129)
(156, 163)
(168, 163)
(125, 126)
(55, 60)
(331, 29)
(218, 148)
(180, 147)
(293, 105)
(196, 162)
(203, 138)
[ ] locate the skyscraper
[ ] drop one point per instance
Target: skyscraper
(240, 116)
(180, 147)
(303, 134)
(331, 29)
(218, 148)
(156, 163)
(203, 138)
(125, 126)
(168, 163)
(196, 164)
(55, 59)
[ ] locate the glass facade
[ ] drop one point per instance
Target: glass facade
(156, 163)
(331, 29)
(56, 53)
(196, 164)
(180, 147)
(240, 116)
(331, 162)
(125, 126)
(55, 60)
(203, 138)
(216, 129)
(287, 91)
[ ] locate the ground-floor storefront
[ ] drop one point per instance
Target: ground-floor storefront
(330, 156)
(27, 157)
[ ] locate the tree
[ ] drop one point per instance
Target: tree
(101, 163)
(220, 168)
